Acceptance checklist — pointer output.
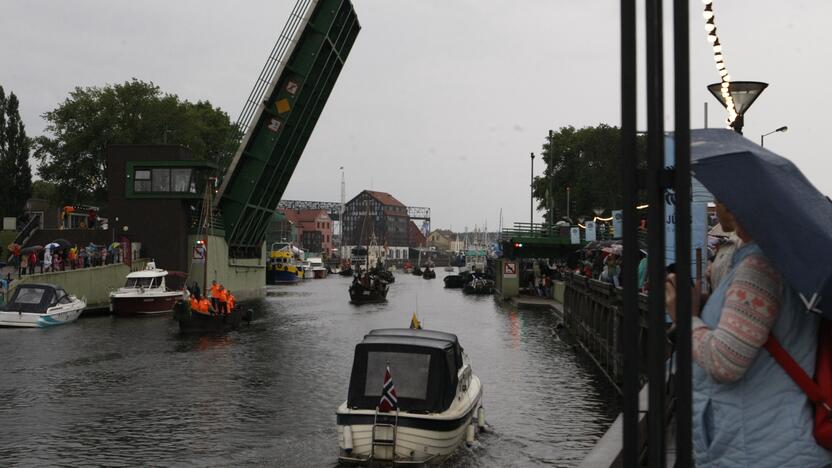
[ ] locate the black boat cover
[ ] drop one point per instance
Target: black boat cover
(423, 366)
(34, 298)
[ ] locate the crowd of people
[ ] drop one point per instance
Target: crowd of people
(62, 258)
(221, 301)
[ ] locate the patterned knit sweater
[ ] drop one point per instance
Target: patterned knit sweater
(752, 303)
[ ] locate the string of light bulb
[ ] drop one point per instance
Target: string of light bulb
(719, 60)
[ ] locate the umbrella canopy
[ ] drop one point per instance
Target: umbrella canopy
(30, 249)
(62, 243)
(52, 246)
(784, 213)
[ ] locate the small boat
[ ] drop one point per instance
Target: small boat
(191, 321)
(416, 271)
(479, 286)
(305, 270)
(144, 293)
(36, 305)
(436, 399)
(368, 289)
(282, 267)
(453, 281)
(428, 273)
(316, 265)
(407, 267)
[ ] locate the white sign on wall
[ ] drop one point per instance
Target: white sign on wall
(590, 231)
(575, 235)
(617, 223)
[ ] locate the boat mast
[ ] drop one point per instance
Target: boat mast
(206, 225)
(341, 214)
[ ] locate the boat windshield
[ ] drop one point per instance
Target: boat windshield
(29, 295)
(409, 372)
(140, 282)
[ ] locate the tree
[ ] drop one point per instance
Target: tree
(134, 112)
(15, 146)
(587, 162)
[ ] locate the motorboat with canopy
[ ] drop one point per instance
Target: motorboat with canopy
(438, 399)
(145, 293)
(40, 305)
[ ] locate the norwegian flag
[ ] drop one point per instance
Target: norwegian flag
(389, 401)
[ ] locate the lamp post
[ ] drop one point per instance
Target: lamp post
(764, 135)
(567, 204)
(531, 196)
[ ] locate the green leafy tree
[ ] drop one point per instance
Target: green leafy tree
(587, 162)
(15, 148)
(73, 156)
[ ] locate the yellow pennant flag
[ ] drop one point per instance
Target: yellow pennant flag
(414, 322)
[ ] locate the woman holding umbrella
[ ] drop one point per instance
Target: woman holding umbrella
(746, 410)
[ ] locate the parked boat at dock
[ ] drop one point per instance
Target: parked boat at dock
(282, 267)
(317, 268)
(38, 305)
(436, 403)
(144, 293)
(479, 286)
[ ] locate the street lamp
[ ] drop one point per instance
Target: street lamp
(742, 94)
(763, 136)
(531, 196)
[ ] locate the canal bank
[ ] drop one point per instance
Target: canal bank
(266, 394)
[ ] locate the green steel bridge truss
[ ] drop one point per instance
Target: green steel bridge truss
(280, 114)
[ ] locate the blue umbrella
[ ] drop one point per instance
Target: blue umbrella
(784, 213)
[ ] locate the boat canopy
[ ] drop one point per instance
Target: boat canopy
(35, 298)
(157, 273)
(423, 365)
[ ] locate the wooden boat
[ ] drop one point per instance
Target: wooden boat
(191, 321)
(372, 290)
(437, 408)
(453, 281)
(479, 286)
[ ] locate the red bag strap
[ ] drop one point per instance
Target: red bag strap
(809, 386)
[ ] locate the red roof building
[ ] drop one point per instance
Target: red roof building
(314, 229)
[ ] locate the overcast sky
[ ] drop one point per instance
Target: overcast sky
(441, 101)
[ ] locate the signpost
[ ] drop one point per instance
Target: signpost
(590, 236)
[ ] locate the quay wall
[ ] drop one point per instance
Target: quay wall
(94, 283)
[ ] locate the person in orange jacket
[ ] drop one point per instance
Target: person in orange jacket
(215, 294)
(205, 307)
(223, 301)
(230, 302)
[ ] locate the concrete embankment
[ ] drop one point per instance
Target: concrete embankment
(93, 283)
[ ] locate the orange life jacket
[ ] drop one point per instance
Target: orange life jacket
(204, 305)
(231, 302)
(194, 304)
(215, 291)
(223, 296)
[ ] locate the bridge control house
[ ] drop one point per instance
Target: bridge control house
(156, 192)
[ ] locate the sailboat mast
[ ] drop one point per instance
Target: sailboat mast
(341, 214)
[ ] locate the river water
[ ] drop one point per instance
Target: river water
(126, 392)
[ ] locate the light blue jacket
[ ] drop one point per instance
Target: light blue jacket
(763, 419)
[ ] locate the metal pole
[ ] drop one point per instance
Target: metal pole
(567, 204)
(762, 141)
(706, 114)
(629, 171)
(531, 196)
(684, 367)
(656, 353)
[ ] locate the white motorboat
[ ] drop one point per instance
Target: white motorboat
(439, 399)
(40, 305)
(316, 264)
(305, 270)
(144, 293)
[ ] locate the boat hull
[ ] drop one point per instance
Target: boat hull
(281, 277)
(361, 295)
(454, 282)
(50, 319)
(142, 306)
(191, 322)
(429, 274)
(428, 439)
